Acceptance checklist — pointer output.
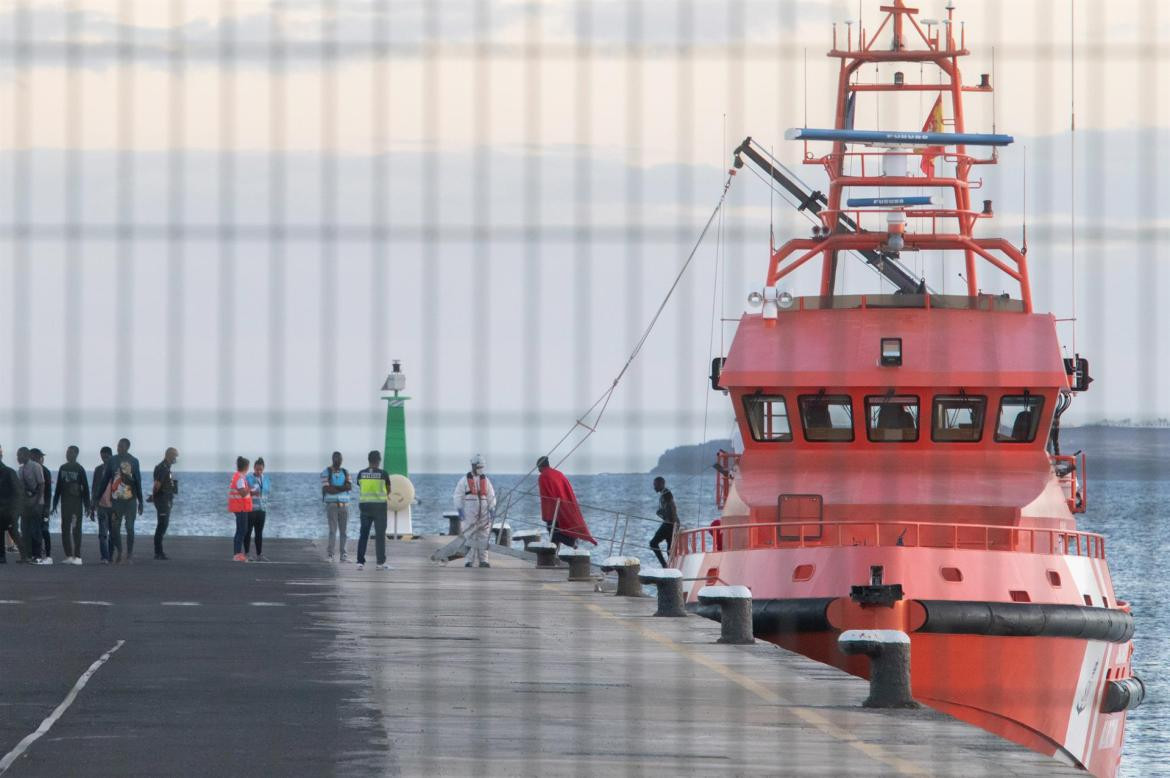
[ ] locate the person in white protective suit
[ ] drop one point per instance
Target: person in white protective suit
(475, 499)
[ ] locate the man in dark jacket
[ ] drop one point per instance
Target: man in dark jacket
(124, 472)
(32, 486)
(10, 494)
(668, 512)
(72, 498)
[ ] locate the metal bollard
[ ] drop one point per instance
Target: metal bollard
(546, 554)
(528, 537)
(502, 533)
(889, 665)
(735, 612)
(670, 590)
(580, 563)
(627, 568)
(454, 523)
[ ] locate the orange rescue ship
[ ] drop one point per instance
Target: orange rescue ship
(901, 466)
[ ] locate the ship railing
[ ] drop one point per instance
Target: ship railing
(605, 524)
(1070, 472)
(836, 534)
(952, 302)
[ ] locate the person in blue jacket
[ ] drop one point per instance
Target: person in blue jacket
(261, 485)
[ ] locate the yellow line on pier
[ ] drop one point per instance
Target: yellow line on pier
(811, 717)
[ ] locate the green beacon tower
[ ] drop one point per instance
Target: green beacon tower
(394, 451)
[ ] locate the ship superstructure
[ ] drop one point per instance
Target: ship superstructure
(901, 465)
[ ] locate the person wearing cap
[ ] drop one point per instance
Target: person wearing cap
(559, 508)
(668, 512)
(475, 499)
(373, 489)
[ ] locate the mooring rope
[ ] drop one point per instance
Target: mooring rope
(602, 402)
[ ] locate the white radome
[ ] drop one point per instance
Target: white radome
(401, 493)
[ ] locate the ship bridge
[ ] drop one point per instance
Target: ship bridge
(926, 413)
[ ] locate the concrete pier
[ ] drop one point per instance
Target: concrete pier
(298, 667)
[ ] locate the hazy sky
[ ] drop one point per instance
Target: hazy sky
(223, 219)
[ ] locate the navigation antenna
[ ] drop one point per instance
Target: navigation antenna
(1072, 157)
(1024, 197)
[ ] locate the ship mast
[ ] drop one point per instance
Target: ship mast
(885, 158)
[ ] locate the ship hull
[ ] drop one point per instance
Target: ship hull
(1043, 691)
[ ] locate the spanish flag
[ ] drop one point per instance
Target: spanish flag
(934, 123)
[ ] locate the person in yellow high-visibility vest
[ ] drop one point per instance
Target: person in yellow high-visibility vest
(373, 489)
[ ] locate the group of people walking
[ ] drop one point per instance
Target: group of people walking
(115, 496)
(114, 499)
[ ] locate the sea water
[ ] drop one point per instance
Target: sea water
(620, 511)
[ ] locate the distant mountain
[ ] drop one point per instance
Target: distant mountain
(690, 460)
(1118, 452)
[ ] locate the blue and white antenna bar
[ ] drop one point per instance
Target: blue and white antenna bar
(888, 202)
(899, 138)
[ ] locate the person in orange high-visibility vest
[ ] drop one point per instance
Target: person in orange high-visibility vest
(240, 503)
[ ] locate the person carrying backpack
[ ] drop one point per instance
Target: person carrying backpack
(335, 489)
(123, 476)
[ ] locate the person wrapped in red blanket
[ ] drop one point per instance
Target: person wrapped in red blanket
(558, 503)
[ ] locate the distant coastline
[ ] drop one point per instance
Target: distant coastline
(1120, 450)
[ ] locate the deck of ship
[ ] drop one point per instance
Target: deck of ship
(296, 667)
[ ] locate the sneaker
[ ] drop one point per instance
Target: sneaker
(344, 557)
(67, 560)
(261, 558)
(382, 567)
(467, 565)
(43, 561)
(105, 561)
(329, 559)
(160, 556)
(239, 558)
(484, 564)
(77, 560)
(361, 566)
(129, 560)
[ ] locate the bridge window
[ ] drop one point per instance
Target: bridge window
(827, 417)
(1019, 418)
(767, 417)
(892, 418)
(958, 419)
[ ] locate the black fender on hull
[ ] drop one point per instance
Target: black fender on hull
(771, 617)
(1020, 619)
(955, 617)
